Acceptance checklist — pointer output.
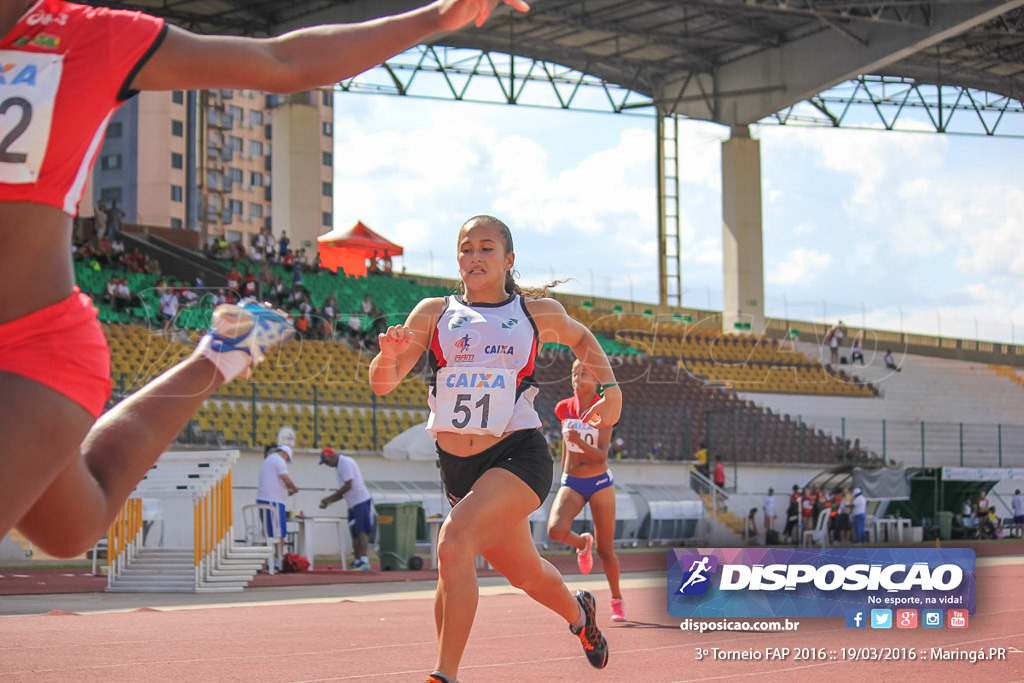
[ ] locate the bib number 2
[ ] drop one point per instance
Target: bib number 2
(28, 88)
(6, 155)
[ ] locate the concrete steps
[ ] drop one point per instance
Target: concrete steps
(173, 570)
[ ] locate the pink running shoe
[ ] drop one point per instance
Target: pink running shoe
(585, 558)
(618, 610)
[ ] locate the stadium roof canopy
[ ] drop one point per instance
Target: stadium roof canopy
(729, 61)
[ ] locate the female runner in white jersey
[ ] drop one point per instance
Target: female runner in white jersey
(64, 474)
(586, 479)
(495, 465)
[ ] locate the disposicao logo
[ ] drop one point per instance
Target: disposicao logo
(830, 582)
(696, 580)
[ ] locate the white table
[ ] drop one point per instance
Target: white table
(890, 524)
(306, 525)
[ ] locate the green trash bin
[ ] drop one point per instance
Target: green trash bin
(945, 525)
(396, 536)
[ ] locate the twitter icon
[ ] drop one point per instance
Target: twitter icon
(881, 618)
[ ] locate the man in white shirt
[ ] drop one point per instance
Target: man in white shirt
(860, 515)
(273, 488)
(353, 489)
(769, 512)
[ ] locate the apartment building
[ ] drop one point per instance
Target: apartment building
(223, 163)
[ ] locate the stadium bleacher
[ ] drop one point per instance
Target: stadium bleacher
(684, 384)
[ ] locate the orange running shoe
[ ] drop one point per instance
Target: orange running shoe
(594, 644)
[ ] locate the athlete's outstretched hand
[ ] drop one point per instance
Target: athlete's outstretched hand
(606, 411)
(395, 340)
(457, 13)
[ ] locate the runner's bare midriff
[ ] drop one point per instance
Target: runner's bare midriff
(465, 445)
(35, 258)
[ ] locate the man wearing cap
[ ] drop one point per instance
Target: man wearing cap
(353, 489)
(860, 515)
(273, 488)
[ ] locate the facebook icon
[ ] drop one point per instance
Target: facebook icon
(856, 618)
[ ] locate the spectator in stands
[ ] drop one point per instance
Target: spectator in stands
(234, 279)
(586, 479)
(273, 488)
(278, 291)
(619, 448)
(99, 220)
(495, 474)
(189, 297)
(1018, 513)
(856, 352)
(860, 516)
(283, 246)
(329, 317)
(890, 362)
(54, 359)
(114, 217)
(378, 322)
(353, 489)
(719, 477)
(117, 251)
(250, 286)
(168, 310)
(124, 297)
(260, 244)
(834, 336)
(110, 292)
(355, 327)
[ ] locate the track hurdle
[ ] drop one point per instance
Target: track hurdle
(200, 558)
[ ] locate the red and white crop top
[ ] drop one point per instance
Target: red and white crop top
(64, 70)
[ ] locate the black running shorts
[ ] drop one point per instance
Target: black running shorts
(524, 453)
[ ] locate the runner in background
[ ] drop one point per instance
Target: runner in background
(586, 479)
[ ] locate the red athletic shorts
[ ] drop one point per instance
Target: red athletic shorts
(62, 347)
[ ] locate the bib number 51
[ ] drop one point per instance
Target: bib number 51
(461, 406)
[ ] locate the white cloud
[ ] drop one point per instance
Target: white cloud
(799, 267)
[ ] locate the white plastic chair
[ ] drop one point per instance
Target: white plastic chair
(253, 516)
(819, 534)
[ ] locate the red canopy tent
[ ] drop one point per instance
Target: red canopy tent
(349, 249)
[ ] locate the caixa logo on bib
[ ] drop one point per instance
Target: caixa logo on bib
(787, 582)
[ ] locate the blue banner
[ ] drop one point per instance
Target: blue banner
(827, 582)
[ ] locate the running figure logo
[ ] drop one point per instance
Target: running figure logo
(696, 581)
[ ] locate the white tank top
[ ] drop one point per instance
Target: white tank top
(482, 361)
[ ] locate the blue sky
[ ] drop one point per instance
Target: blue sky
(886, 229)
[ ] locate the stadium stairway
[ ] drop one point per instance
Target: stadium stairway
(930, 389)
(177, 262)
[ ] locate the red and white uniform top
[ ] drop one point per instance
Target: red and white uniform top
(568, 411)
(64, 70)
(482, 360)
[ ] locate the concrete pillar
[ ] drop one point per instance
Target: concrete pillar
(742, 251)
(295, 170)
